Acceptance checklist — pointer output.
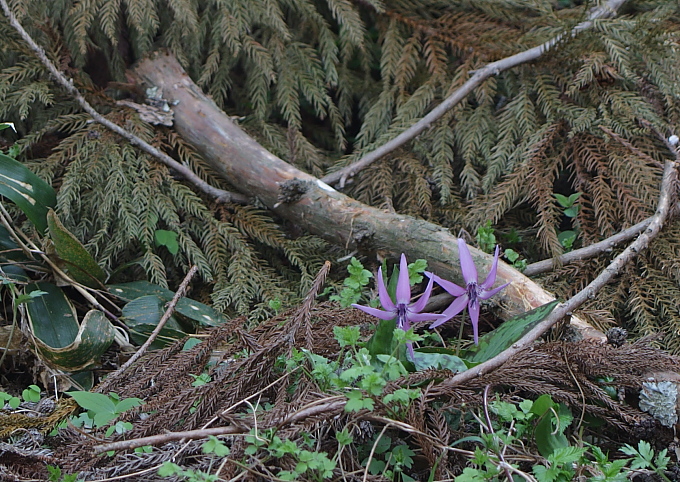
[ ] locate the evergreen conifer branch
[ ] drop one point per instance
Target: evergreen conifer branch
(220, 195)
(340, 177)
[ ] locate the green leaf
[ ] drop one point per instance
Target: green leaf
(143, 315)
(542, 404)
(59, 338)
(203, 314)
(567, 238)
(574, 197)
(493, 343)
(80, 264)
(347, 336)
(190, 343)
(344, 437)
(567, 455)
(414, 271)
(167, 239)
(30, 193)
(549, 440)
(215, 446)
(96, 402)
(571, 212)
(511, 255)
(25, 298)
(381, 341)
(31, 394)
(564, 201)
(137, 289)
(439, 358)
(168, 469)
(128, 403)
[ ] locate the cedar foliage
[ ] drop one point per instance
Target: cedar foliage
(321, 82)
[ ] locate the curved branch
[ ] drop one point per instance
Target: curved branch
(609, 9)
(668, 185)
(219, 194)
(589, 251)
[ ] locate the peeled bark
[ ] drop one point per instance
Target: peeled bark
(315, 206)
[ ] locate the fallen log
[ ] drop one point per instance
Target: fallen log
(314, 205)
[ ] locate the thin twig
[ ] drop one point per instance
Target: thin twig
(494, 68)
(220, 195)
(370, 456)
(485, 400)
(588, 252)
(565, 309)
(331, 404)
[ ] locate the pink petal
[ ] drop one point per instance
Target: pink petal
(454, 308)
(403, 285)
(491, 277)
(419, 305)
(383, 315)
(467, 266)
(485, 295)
(473, 309)
(409, 348)
(450, 287)
(385, 299)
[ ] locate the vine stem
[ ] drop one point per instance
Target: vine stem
(340, 177)
(220, 195)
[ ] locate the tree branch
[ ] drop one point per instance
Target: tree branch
(312, 204)
(609, 9)
(220, 195)
(589, 251)
(668, 183)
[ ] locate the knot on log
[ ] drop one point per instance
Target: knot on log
(292, 190)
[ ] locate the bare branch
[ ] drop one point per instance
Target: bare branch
(668, 184)
(607, 10)
(588, 252)
(220, 195)
(327, 405)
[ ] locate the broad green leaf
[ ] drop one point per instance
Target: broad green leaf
(137, 289)
(53, 318)
(97, 402)
(80, 264)
(30, 193)
(127, 404)
(563, 200)
(542, 404)
(199, 312)
(142, 317)
(493, 343)
(549, 437)
(381, 341)
(168, 239)
(203, 314)
(439, 358)
(60, 339)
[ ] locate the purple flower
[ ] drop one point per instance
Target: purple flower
(474, 291)
(404, 311)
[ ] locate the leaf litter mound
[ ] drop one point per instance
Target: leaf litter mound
(247, 370)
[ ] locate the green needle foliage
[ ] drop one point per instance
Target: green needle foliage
(321, 83)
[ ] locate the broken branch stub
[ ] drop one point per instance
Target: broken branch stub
(319, 208)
